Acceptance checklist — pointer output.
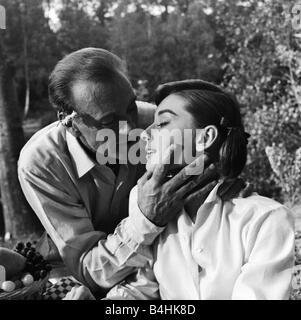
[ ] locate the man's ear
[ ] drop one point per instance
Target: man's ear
(205, 138)
(73, 130)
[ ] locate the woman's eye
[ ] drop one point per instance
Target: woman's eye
(162, 124)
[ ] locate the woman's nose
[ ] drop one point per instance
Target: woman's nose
(146, 134)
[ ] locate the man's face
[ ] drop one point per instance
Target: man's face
(103, 106)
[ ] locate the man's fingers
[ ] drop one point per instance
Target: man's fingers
(199, 196)
(160, 172)
(199, 182)
(197, 166)
(144, 178)
(186, 173)
(224, 187)
(161, 168)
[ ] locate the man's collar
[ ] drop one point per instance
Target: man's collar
(81, 160)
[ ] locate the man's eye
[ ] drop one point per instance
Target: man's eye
(109, 122)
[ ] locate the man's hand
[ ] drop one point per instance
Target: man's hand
(162, 201)
(233, 188)
(79, 293)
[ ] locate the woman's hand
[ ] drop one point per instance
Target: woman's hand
(79, 293)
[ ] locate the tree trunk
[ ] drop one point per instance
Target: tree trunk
(165, 14)
(19, 220)
(24, 18)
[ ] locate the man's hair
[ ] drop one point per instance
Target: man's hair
(92, 64)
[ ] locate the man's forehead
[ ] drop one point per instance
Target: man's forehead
(87, 100)
(94, 100)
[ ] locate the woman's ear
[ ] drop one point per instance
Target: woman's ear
(205, 138)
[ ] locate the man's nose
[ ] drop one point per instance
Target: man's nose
(125, 127)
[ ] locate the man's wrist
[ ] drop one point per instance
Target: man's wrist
(138, 226)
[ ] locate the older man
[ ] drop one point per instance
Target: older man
(84, 205)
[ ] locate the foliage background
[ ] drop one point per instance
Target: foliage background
(247, 46)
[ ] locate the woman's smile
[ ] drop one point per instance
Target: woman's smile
(149, 152)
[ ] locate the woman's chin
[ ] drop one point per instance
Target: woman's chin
(150, 166)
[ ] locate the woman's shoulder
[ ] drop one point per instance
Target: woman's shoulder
(260, 208)
(258, 201)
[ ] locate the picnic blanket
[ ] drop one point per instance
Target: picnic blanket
(58, 290)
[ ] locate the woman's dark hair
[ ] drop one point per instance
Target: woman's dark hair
(210, 105)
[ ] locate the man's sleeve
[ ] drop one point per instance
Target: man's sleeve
(141, 285)
(267, 273)
(93, 257)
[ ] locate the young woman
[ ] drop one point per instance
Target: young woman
(237, 249)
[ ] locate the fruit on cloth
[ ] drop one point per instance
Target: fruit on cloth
(27, 280)
(18, 284)
(8, 286)
(12, 261)
(35, 265)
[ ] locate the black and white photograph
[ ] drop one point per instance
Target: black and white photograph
(150, 150)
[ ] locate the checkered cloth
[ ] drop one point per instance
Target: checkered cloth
(59, 290)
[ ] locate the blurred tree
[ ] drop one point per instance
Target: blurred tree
(24, 24)
(255, 37)
(31, 48)
(159, 50)
(244, 45)
(82, 24)
(102, 11)
(19, 220)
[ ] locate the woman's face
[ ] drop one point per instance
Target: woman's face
(170, 122)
